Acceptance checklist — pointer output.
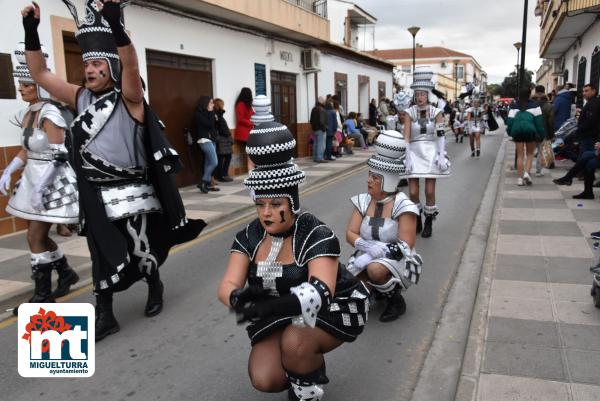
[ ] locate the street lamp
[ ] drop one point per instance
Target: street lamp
(455, 80)
(523, 46)
(413, 31)
(518, 47)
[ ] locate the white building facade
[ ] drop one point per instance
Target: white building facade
(184, 56)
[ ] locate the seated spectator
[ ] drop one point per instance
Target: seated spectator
(360, 124)
(354, 132)
(588, 162)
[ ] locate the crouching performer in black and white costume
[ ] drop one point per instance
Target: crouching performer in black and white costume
(300, 302)
(131, 211)
(382, 229)
(47, 190)
(425, 136)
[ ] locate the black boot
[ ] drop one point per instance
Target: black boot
(419, 223)
(42, 276)
(588, 185)
(106, 323)
(202, 187)
(154, 304)
(395, 307)
(428, 227)
(66, 277)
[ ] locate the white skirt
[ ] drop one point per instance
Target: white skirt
(423, 153)
(60, 198)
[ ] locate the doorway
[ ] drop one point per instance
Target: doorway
(283, 100)
(73, 60)
(176, 83)
(341, 89)
(363, 95)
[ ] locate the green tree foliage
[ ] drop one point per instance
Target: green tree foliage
(509, 85)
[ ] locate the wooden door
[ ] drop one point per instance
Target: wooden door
(175, 85)
(73, 61)
(283, 100)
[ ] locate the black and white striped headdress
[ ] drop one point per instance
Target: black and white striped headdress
(389, 160)
(422, 81)
(21, 71)
(271, 147)
(95, 36)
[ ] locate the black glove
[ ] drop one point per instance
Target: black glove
(111, 12)
(241, 296)
(288, 305)
(32, 39)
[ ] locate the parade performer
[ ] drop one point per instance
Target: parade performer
(47, 190)
(402, 103)
(300, 302)
(459, 123)
(382, 229)
(130, 209)
(476, 124)
(425, 136)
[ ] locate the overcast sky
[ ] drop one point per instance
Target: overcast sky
(485, 29)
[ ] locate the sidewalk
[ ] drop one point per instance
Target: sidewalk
(215, 208)
(535, 333)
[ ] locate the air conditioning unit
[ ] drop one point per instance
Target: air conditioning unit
(311, 60)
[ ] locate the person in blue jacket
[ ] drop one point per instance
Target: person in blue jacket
(562, 106)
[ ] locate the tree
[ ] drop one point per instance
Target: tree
(495, 89)
(509, 85)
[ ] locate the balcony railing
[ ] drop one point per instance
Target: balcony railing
(318, 7)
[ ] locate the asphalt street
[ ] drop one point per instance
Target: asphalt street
(194, 350)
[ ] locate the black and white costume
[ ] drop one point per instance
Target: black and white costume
(47, 190)
(343, 314)
(426, 151)
(381, 233)
(131, 210)
(477, 124)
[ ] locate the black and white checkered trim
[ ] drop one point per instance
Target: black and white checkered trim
(93, 29)
(273, 148)
(281, 128)
(97, 55)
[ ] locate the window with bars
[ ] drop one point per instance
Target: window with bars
(595, 68)
(581, 80)
(7, 83)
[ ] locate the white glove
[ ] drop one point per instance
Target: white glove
(362, 261)
(375, 249)
(408, 162)
(440, 159)
(37, 196)
(14, 165)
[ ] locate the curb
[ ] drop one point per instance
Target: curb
(469, 377)
(232, 217)
(440, 374)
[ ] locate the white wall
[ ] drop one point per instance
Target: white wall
(331, 64)
(233, 53)
(589, 41)
(337, 13)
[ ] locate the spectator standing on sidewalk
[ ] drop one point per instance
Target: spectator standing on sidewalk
(562, 106)
(243, 125)
(373, 113)
(588, 124)
(548, 114)
(205, 135)
(331, 129)
(318, 123)
(224, 143)
(383, 110)
(525, 127)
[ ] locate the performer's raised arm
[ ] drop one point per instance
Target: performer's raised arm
(59, 88)
(131, 84)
